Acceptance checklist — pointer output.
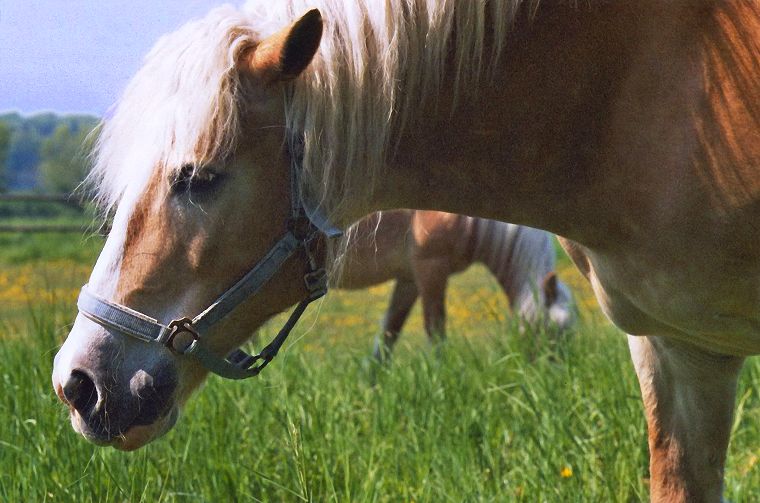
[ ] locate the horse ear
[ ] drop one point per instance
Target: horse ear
(549, 286)
(284, 55)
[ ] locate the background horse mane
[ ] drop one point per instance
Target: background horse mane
(519, 257)
(185, 104)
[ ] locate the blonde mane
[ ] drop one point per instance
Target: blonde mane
(377, 62)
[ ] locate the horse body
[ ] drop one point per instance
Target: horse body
(631, 129)
(421, 249)
(659, 243)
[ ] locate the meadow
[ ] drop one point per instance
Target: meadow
(492, 415)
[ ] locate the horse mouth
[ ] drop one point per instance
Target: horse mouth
(133, 438)
(139, 435)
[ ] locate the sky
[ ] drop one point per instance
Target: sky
(76, 56)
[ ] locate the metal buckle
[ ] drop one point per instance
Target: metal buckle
(180, 326)
(316, 283)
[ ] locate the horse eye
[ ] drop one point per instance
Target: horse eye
(194, 180)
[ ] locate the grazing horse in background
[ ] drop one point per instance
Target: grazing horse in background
(421, 249)
(632, 129)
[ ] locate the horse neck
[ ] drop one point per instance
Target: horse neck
(518, 158)
(518, 257)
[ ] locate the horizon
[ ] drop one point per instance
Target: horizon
(58, 113)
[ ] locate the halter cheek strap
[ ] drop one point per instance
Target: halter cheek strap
(184, 336)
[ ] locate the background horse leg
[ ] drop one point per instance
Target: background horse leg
(431, 276)
(688, 396)
(402, 299)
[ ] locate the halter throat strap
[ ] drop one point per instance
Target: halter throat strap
(184, 336)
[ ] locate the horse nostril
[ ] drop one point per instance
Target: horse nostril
(80, 391)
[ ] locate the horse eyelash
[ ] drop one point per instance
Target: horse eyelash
(191, 177)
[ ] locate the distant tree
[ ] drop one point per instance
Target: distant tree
(24, 155)
(63, 158)
(5, 144)
(44, 123)
(13, 120)
(23, 158)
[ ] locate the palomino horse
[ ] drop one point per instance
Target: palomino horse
(421, 249)
(630, 128)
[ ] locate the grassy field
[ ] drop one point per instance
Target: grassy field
(492, 416)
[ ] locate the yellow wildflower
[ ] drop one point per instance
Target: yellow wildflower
(566, 472)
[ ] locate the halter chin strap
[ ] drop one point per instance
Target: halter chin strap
(184, 336)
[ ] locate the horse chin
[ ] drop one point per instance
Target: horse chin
(138, 436)
(134, 438)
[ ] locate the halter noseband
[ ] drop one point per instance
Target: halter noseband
(184, 336)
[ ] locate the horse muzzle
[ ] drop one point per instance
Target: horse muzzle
(124, 405)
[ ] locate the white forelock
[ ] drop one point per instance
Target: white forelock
(180, 107)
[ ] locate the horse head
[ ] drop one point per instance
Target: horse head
(194, 208)
(549, 307)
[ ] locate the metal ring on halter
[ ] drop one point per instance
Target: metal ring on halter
(181, 326)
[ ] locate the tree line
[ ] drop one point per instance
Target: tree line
(45, 153)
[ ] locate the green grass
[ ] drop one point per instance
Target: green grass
(492, 416)
(24, 248)
(17, 248)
